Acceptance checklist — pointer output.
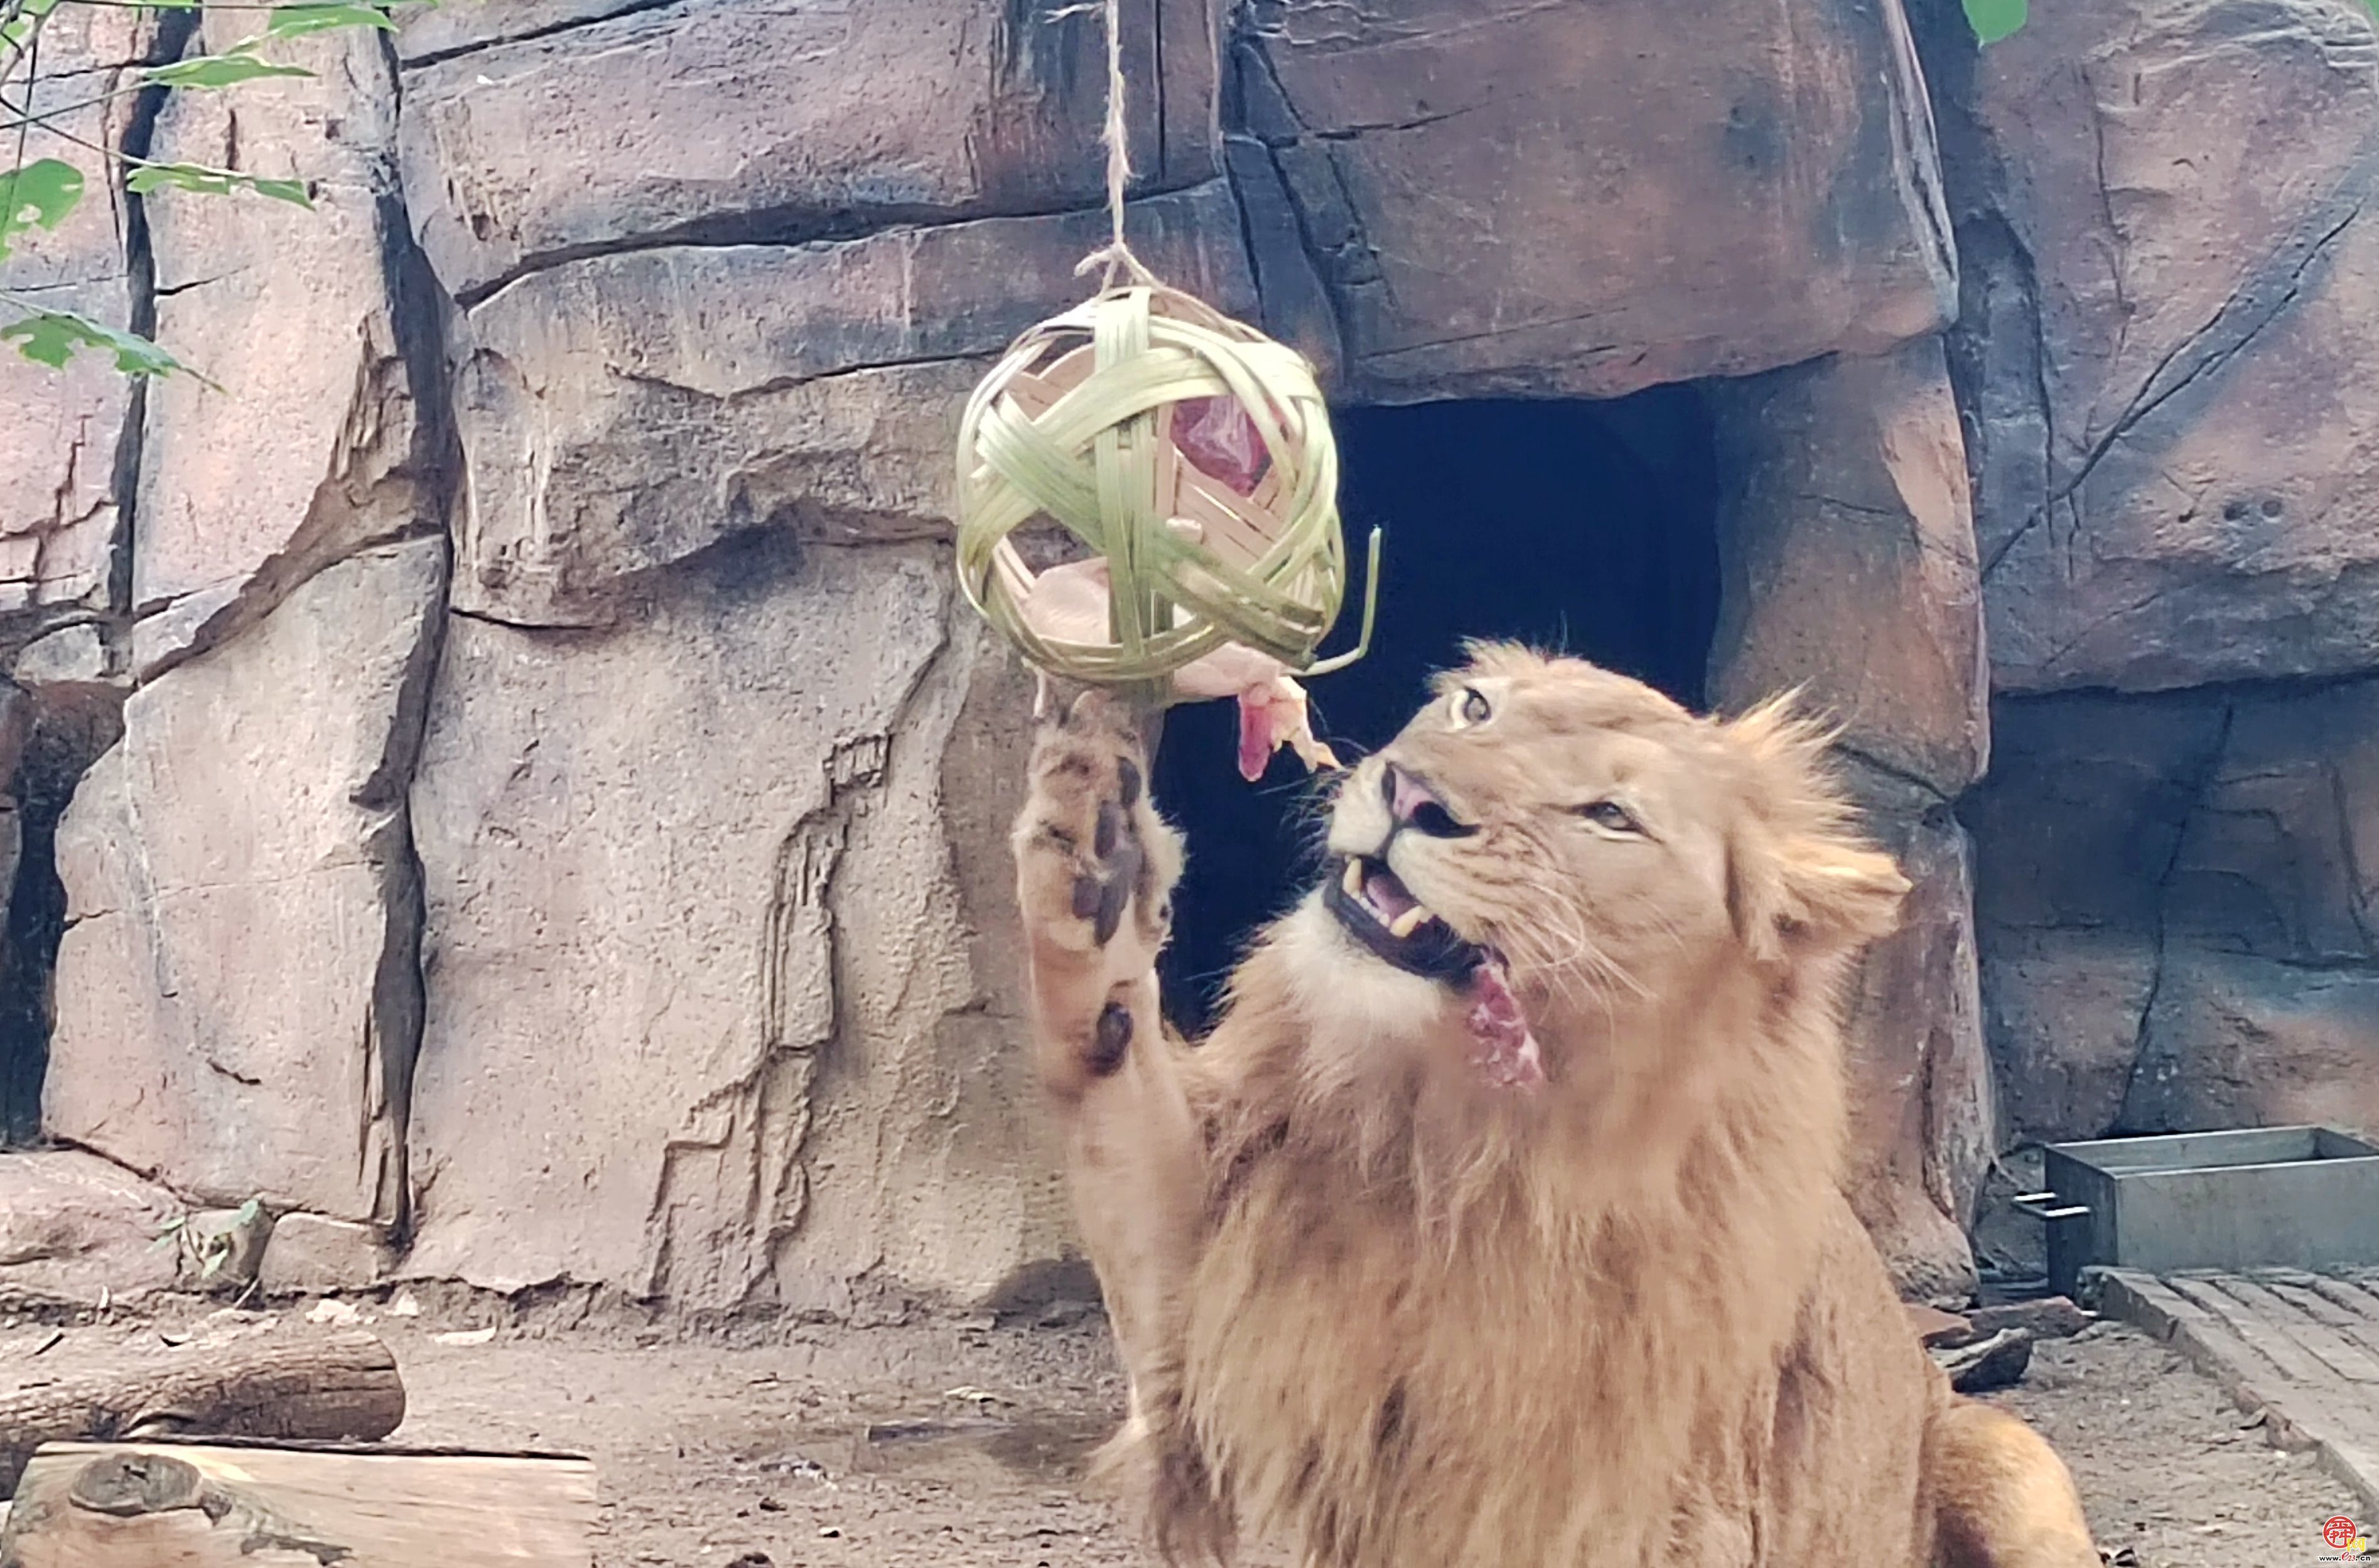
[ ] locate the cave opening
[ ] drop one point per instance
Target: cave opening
(1585, 526)
(54, 744)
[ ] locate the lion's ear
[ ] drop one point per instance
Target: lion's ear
(1797, 876)
(1809, 893)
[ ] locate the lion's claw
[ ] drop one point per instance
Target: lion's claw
(1092, 853)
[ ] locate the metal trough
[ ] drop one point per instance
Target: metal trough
(2295, 1196)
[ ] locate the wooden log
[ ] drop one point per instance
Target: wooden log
(286, 1386)
(212, 1505)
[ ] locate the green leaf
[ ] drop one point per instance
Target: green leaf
(227, 70)
(295, 22)
(292, 191)
(151, 177)
(26, 17)
(39, 195)
(1995, 19)
(248, 1212)
(51, 337)
(214, 1264)
(23, 18)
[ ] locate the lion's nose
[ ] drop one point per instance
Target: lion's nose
(1406, 794)
(1411, 803)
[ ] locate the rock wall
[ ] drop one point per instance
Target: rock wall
(240, 998)
(61, 443)
(2180, 898)
(1847, 543)
(556, 835)
(2170, 261)
(2170, 271)
(731, 880)
(1498, 197)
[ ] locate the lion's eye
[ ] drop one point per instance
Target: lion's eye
(1610, 815)
(1469, 706)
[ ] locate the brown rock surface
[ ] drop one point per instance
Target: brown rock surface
(2179, 900)
(1987, 1365)
(236, 993)
(2170, 272)
(2062, 1011)
(1924, 1119)
(2267, 1009)
(316, 443)
(59, 438)
(2235, 1041)
(74, 655)
(315, 1255)
(2049, 1316)
(1935, 1327)
(74, 1227)
(622, 413)
(704, 1014)
(2076, 831)
(776, 123)
(1846, 547)
(2281, 857)
(1848, 569)
(429, 32)
(1505, 196)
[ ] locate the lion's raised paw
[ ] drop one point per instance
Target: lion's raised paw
(1092, 853)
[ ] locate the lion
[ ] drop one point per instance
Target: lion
(1499, 1221)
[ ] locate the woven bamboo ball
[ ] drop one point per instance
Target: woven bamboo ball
(1190, 452)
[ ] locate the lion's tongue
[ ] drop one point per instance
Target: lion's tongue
(1501, 1044)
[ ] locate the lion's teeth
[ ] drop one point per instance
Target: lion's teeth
(1352, 880)
(1412, 920)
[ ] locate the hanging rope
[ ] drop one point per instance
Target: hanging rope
(1114, 256)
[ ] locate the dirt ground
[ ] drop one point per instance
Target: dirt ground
(2168, 1467)
(959, 1445)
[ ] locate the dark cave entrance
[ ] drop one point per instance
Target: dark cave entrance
(52, 746)
(1581, 526)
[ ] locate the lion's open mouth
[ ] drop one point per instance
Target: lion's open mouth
(1380, 912)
